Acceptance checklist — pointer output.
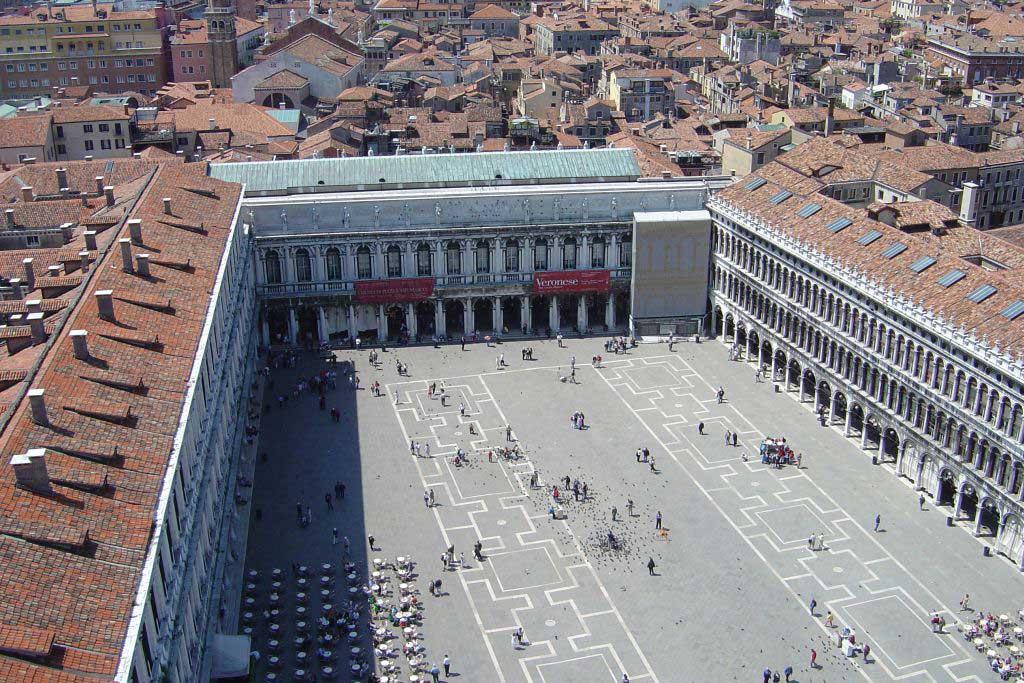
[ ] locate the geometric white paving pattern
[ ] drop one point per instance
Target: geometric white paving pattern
(775, 510)
(536, 576)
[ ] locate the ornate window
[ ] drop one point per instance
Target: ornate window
(482, 256)
(540, 254)
(597, 253)
(332, 259)
(453, 258)
(303, 266)
(626, 251)
(393, 258)
(423, 260)
(512, 256)
(364, 263)
(273, 266)
(569, 253)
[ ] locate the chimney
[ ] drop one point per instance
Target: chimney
(88, 157)
(90, 240)
(213, 124)
(35, 321)
(28, 194)
(105, 303)
(62, 179)
(126, 255)
(80, 340)
(135, 230)
(16, 287)
(137, 155)
(30, 273)
(83, 256)
(750, 140)
(108, 192)
(829, 117)
(54, 271)
(9, 218)
(30, 469)
(99, 185)
(167, 206)
(37, 402)
(142, 264)
(34, 305)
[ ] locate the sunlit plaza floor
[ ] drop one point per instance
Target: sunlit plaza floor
(733, 574)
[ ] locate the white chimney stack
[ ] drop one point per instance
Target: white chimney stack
(99, 185)
(28, 194)
(34, 306)
(30, 273)
(108, 193)
(90, 239)
(37, 403)
(9, 218)
(126, 255)
(30, 470)
(35, 322)
(62, 179)
(135, 230)
(83, 256)
(105, 303)
(80, 340)
(16, 288)
(167, 206)
(142, 264)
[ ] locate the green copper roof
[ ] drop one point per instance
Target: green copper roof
(263, 178)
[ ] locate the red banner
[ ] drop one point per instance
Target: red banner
(572, 282)
(394, 291)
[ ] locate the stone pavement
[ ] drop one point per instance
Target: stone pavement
(734, 574)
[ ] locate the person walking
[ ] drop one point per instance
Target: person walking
(650, 565)
(462, 410)
(371, 540)
(965, 602)
(787, 672)
(766, 675)
(813, 604)
(396, 397)
(878, 520)
(657, 520)
(426, 499)
(638, 454)
(700, 429)
(920, 502)
(728, 437)
(629, 506)
(615, 512)
(867, 651)
(431, 504)
(508, 432)
(447, 664)
(828, 619)
(435, 673)
(334, 533)
(814, 658)
(330, 503)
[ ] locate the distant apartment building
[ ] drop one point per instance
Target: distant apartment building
(915, 9)
(495, 21)
(746, 45)
(100, 132)
(190, 48)
(640, 93)
(970, 59)
(81, 45)
(555, 34)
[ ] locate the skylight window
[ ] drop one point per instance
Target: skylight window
(780, 196)
(809, 210)
(981, 293)
(1014, 310)
(839, 224)
(894, 250)
(922, 264)
(868, 238)
(755, 183)
(952, 277)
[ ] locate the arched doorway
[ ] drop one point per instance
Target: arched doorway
(276, 99)
(741, 338)
(766, 354)
(873, 433)
(857, 418)
(988, 520)
(1008, 542)
(824, 398)
(454, 317)
(793, 377)
(539, 313)
(397, 327)
(730, 329)
(892, 445)
(511, 314)
(719, 321)
(483, 314)
(597, 306)
(425, 318)
(754, 348)
(947, 488)
(779, 367)
(622, 308)
(840, 411)
(568, 311)
(808, 384)
(277, 320)
(309, 330)
(968, 502)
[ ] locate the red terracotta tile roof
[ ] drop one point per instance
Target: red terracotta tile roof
(70, 561)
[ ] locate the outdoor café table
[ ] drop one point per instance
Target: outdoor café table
(300, 657)
(276, 573)
(1017, 631)
(352, 635)
(1014, 650)
(300, 642)
(407, 631)
(301, 583)
(326, 607)
(353, 590)
(978, 642)
(303, 570)
(253, 575)
(378, 562)
(355, 668)
(327, 671)
(1004, 618)
(326, 568)
(250, 587)
(991, 653)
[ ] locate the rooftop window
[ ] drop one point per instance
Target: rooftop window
(868, 237)
(780, 196)
(952, 277)
(1014, 310)
(894, 250)
(981, 293)
(755, 183)
(922, 264)
(839, 224)
(809, 210)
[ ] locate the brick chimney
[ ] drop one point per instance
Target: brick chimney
(9, 218)
(167, 206)
(90, 239)
(83, 257)
(99, 184)
(62, 179)
(16, 287)
(28, 194)
(142, 264)
(30, 470)
(108, 193)
(35, 321)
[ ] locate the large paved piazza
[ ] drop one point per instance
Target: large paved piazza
(734, 574)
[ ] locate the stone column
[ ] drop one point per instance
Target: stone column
(378, 261)
(265, 331)
(440, 322)
(832, 408)
(523, 267)
(958, 504)
(410, 319)
(849, 419)
(901, 455)
(613, 251)
(352, 332)
(467, 316)
(609, 314)
(882, 442)
(553, 313)
(525, 313)
(321, 324)
(581, 313)
(293, 327)
(353, 261)
(497, 316)
(498, 261)
(584, 257)
(464, 255)
(382, 323)
(408, 264)
(864, 434)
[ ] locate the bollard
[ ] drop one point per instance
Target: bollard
(874, 459)
(949, 521)
(986, 551)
